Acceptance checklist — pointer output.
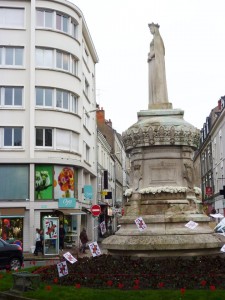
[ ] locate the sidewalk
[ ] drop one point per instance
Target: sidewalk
(74, 251)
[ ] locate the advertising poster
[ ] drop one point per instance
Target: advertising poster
(63, 182)
(43, 182)
(50, 228)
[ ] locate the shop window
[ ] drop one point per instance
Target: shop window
(11, 230)
(14, 182)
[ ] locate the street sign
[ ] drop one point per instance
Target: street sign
(96, 210)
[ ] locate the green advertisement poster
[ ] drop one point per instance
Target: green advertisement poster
(43, 182)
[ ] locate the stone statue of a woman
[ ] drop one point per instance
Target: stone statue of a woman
(158, 97)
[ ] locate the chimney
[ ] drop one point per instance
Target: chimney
(109, 123)
(100, 114)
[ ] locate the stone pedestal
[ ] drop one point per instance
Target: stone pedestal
(161, 147)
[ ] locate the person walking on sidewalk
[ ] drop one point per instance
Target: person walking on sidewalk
(84, 240)
(38, 246)
(61, 237)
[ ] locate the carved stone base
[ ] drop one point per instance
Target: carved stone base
(164, 236)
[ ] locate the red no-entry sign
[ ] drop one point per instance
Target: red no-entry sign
(96, 210)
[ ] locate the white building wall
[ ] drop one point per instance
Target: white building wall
(29, 116)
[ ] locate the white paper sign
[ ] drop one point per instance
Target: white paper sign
(221, 226)
(103, 227)
(94, 248)
(217, 216)
(191, 225)
(223, 248)
(140, 224)
(62, 268)
(68, 256)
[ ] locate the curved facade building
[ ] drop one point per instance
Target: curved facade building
(47, 125)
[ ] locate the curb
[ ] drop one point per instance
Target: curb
(10, 296)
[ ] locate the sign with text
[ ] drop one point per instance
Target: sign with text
(67, 203)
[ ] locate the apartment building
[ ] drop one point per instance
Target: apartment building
(48, 134)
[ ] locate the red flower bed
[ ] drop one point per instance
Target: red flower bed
(106, 271)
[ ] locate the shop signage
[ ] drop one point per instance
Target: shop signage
(88, 192)
(67, 203)
(96, 210)
(104, 193)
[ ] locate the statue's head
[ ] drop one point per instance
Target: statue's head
(153, 27)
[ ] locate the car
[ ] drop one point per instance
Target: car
(11, 256)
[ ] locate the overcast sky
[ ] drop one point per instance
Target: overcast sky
(193, 32)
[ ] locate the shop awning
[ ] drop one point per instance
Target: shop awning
(72, 211)
(12, 212)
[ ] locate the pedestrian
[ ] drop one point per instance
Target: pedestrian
(42, 240)
(61, 237)
(84, 240)
(37, 242)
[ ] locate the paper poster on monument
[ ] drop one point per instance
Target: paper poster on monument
(217, 216)
(140, 224)
(68, 256)
(191, 225)
(62, 269)
(223, 248)
(103, 228)
(220, 228)
(94, 248)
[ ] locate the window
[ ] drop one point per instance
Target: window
(44, 97)
(74, 66)
(56, 98)
(11, 17)
(74, 29)
(67, 140)
(74, 104)
(86, 55)
(62, 99)
(44, 58)
(44, 18)
(55, 59)
(86, 87)
(14, 182)
(62, 22)
(62, 60)
(86, 118)
(57, 21)
(86, 152)
(12, 136)
(44, 137)
(11, 56)
(11, 96)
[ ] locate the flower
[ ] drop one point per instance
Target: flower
(128, 192)
(182, 290)
(77, 285)
(48, 288)
(120, 285)
(203, 282)
(163, 189)
(56, 280)
(66, 180)
(161, 284)
(109, 283)
(212, 288)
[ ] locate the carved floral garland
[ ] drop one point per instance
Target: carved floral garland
(162, 189)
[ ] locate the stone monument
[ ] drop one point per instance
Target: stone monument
(162, 192)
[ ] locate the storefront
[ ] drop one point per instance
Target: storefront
(72, 220)
(11, 224)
